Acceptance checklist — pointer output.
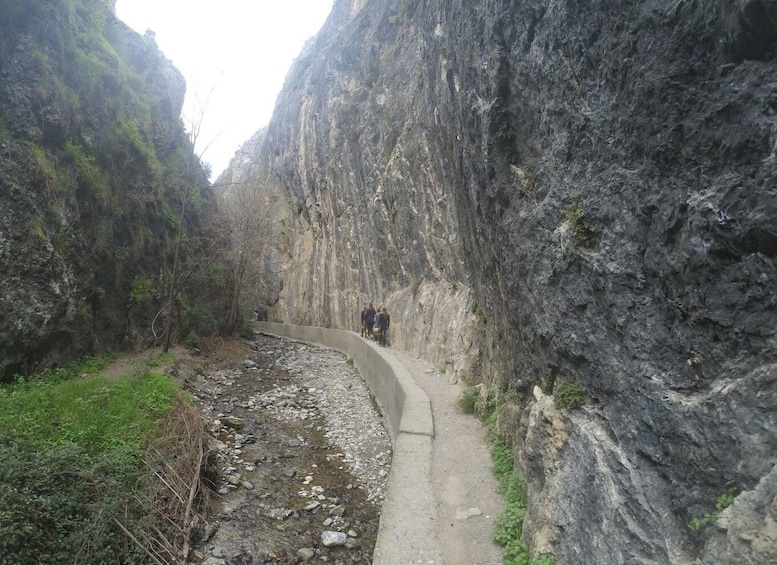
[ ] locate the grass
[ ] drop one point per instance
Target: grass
(95, 413)
(160, 360)
(72, 446)
(569, 396)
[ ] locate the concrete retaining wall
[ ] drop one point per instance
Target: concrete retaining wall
(406, 532)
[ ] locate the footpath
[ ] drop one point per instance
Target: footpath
(442, 497)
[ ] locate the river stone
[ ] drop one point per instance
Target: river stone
(330, 538)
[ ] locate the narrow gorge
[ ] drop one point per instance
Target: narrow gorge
(556, 196)
(568, 205)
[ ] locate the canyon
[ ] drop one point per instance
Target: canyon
(555, 196)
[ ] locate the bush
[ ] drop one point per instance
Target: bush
(467, 400)
(569, 396)
(142, 289)
(192, 341)
(71, 443)
(582, 230)
(59, 503)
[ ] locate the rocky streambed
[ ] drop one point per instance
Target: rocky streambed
(303, 453)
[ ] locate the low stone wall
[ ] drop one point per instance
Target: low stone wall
(407, 519)
(406, 407)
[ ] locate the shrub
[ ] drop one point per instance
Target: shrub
(584, 233)
(569, 396)
(71, 443)
(192, 341)
(467, 400)
(414, 286)
(59, 503)
(142, 288)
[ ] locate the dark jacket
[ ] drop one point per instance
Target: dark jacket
(384, 320)
(369, 316)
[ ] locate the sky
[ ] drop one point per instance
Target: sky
(234, 55)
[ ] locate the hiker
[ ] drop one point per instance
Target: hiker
(369, 319)
(363, 322)
(384, 321)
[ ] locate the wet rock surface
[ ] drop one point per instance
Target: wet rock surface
(303, 456)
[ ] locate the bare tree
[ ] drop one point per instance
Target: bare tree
(248, 218)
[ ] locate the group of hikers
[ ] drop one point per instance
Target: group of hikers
(375, 323)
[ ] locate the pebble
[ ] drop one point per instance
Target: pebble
(330, 393)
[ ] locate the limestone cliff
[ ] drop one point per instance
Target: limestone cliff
(97, 182)
(552, 194)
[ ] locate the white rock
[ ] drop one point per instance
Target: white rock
(329, 538)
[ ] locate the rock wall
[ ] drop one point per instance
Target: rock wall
(557, 194)
(95, 168)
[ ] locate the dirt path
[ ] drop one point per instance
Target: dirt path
(464, 487)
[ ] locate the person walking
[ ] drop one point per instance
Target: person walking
(384, 321)
(369, 319)
(363, 322)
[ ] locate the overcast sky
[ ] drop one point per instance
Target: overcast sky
(234, 54)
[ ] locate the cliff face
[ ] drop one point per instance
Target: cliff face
(548, 194)
(94, 170)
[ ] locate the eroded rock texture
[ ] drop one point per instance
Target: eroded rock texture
(550, 192)
(96, 177)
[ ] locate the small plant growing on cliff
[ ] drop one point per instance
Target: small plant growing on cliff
(142, 288)
(584, 233)
(414, 286)
(724, 501)
(569, 396)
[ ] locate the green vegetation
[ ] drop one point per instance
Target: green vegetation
(72, 444)
(142, 289)
(569, 396)
(192, 341)
(582, 230)
(87, 171)
(509, 523)
(160, 359)
(467, 400)
(415, 285)
(246, 331)
(724, 501)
